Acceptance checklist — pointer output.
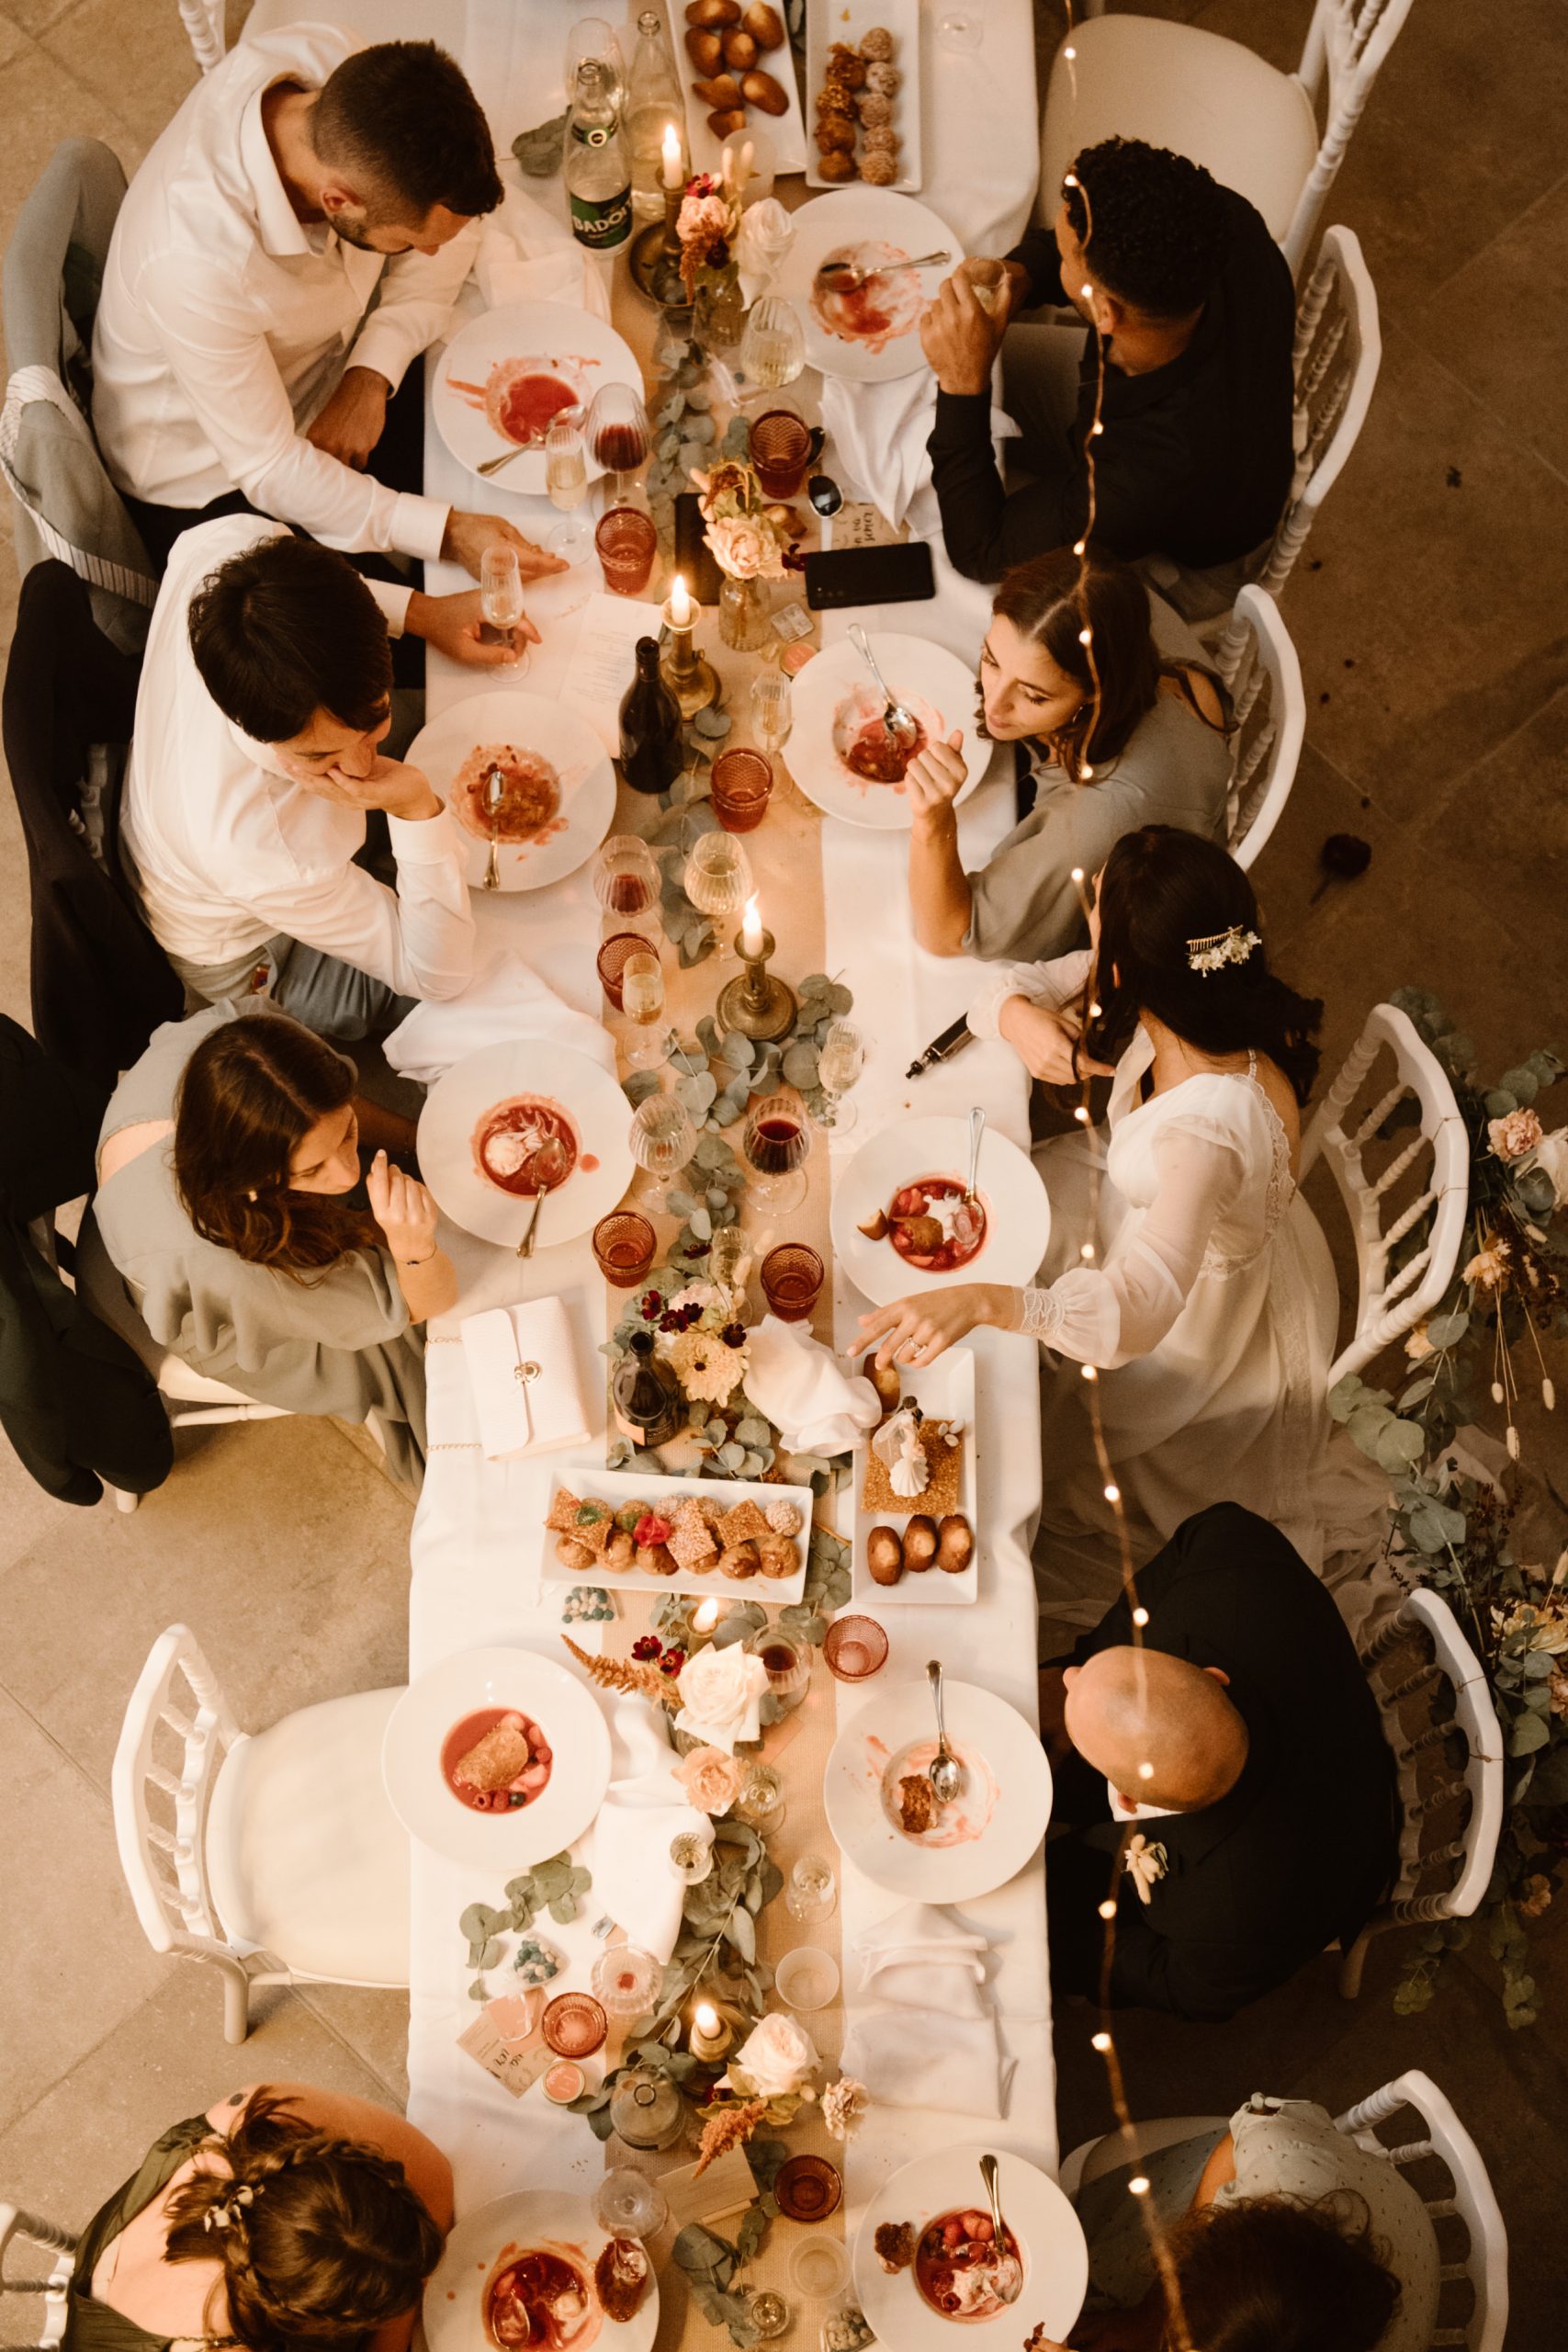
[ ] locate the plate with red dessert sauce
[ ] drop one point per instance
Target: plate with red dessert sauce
(931, 2285)
(506, 377)
(527, 2270)
(909, 1181)
(841, 755)
(493, 1120)
(864, 323)
(496, 1757)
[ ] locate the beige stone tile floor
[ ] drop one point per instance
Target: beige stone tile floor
(1429, 615)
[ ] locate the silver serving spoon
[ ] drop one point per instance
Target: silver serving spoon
(550, 1167)
(1008, 2286)
(495, 465)
(495, 793)
(900, 723)
(976, 1130)
(852, 272)
(946, 1773)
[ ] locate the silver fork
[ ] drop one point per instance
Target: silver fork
(852, 272)
(902, 724)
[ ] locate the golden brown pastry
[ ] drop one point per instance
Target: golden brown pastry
(878, 169)
(723, 90)
(574, 1554)
(895, 2244)
(718, 13)
(765, 24)
(655, 1560)
(741, 52)
(920, 1544)
(845, 66)
(620, 1551)
(877, 46)
(917, 1803)
(725, 121)
(884, 1555)
(776, 1557)
(783, 1518)
(740, 1560)
(954, 1543)
(835, 134)
(705, 51)
(760, 89)
(885, 1378)
(834, 165)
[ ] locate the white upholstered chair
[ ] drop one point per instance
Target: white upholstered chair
(1434, 1699)
(1422, 1189)
(1214, 100)
(441, 20)
(1474, 2306)
(277, 1844)
(1339, 350)
(203, 21)
(48, 2281)
(1265, 680)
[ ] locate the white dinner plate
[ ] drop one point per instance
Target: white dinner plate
(457, 1102)
(483, 2242)
(835, 696)
(1050, 2239)
(566, 1712)
(827, 21)
(943, 1391)
(991, 1828)
(1017, 1206)
(834, 227)
(512, 715)
(582, 349)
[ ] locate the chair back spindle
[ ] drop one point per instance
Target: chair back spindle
(1467, 2195)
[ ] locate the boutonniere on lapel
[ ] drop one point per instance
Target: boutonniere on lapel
(1145, 1862)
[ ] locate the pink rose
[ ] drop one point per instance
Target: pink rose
(739, 547)
(710, 1778)
(1513, 1137)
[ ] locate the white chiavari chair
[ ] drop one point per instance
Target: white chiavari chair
(1270, 713)
(48, 2282)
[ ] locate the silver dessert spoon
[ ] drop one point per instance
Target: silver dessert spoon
(851, 272)
(495, 793)
(1007, 2286)
(946, 1773)
(976, 1130)
(899, 722)
(550, 1168)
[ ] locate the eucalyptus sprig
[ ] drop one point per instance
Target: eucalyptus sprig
(554, 1885)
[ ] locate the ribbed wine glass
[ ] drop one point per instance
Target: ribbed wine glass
(662, 1140)
(776, 1143)
(619, 437)
(773, 349)
(772, 712)
(566, 484)
(838, 1066)
(717, 879)
(626, 883)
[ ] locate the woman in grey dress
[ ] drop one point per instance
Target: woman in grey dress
(224, 1163)
(1135, 735)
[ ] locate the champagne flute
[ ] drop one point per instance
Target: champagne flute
(838, 1066)
(772, 712)
(642, 1002)
(566, 481)
(776, 1143)
(662, 1140)
(500, 604)
(619, 437)
(718, 879)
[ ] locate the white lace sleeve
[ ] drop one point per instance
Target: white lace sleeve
(1107, 1316)
(1052, 984)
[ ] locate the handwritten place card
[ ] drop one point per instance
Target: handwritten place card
(603, 664)
(516, 2069)
(858, 526)
(726, 2188)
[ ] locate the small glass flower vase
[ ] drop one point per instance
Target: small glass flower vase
(743, 614)
(718, 313)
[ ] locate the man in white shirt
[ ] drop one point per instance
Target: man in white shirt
(237, 358)
(264, 694)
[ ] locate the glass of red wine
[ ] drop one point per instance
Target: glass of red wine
(619, 437)
(778, 1143)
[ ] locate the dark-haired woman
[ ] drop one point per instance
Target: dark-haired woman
(1286, 2237)
(1136, 738)
(223, 1164)
(1184, 1265)
(284, 2215)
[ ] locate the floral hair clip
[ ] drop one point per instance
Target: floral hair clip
(220, 2217)
(1221, 947)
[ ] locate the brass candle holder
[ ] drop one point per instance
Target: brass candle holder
(691, 679)
(710, 2041)
(758, 1003)
(654, 257)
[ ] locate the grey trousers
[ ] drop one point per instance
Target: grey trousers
(333, 999)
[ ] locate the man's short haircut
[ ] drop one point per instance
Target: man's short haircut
(287, 629)
(1154, 228)
(400, 117)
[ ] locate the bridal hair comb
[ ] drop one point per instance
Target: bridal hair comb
(1220, 948)
(219, 2217)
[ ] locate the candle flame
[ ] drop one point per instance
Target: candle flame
(707, 2018)
(705, 1617)
(751, 927)
(680, 603)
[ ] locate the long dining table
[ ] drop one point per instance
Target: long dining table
(475, 1551)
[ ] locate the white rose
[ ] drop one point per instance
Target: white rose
(721, 1691)
(1552, 1154)
(777, 2056)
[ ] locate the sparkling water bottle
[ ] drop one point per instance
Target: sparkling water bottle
(598, 176)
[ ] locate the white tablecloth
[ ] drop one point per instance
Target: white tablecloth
(474, 1550)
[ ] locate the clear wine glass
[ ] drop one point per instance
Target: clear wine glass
(663, 1141)
(642, 1002)
(566, 481)
(838, 1066)
(626, 883)
(501, 604)
(813, 1891)
(772, 712)
(619, 437)
(717, 879)
(962, 26)
(772, 348)
(627, 2204)
(776, 1143)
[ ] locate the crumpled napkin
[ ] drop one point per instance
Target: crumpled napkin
(527, 254)
(930, 2058)
(765, 237)
(879, 434)
(505, 998)
(924, 1957)
(796, 1383)
(629, 1849)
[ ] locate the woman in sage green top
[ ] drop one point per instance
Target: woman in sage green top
(1152, 752)
(223, 1163)
(285, 2215)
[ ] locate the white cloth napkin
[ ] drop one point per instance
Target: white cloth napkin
(523, 1368)
(765, 236)
(527, 254)
(503, 1000)
(798, 1385)
(629, 1845)
(924, 1957)
(929, 2058)
(879, 434)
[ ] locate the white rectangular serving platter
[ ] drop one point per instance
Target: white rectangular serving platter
(945, 1390)
(787, 130)
(591, 1482)
(849, 20)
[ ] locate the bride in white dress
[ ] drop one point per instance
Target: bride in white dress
(1184, 1264)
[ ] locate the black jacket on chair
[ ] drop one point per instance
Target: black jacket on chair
(1304, 1847)
(100, 982)
(75, 1400)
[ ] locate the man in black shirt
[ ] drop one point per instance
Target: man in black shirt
(1268, 1817)
(1192, 302)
